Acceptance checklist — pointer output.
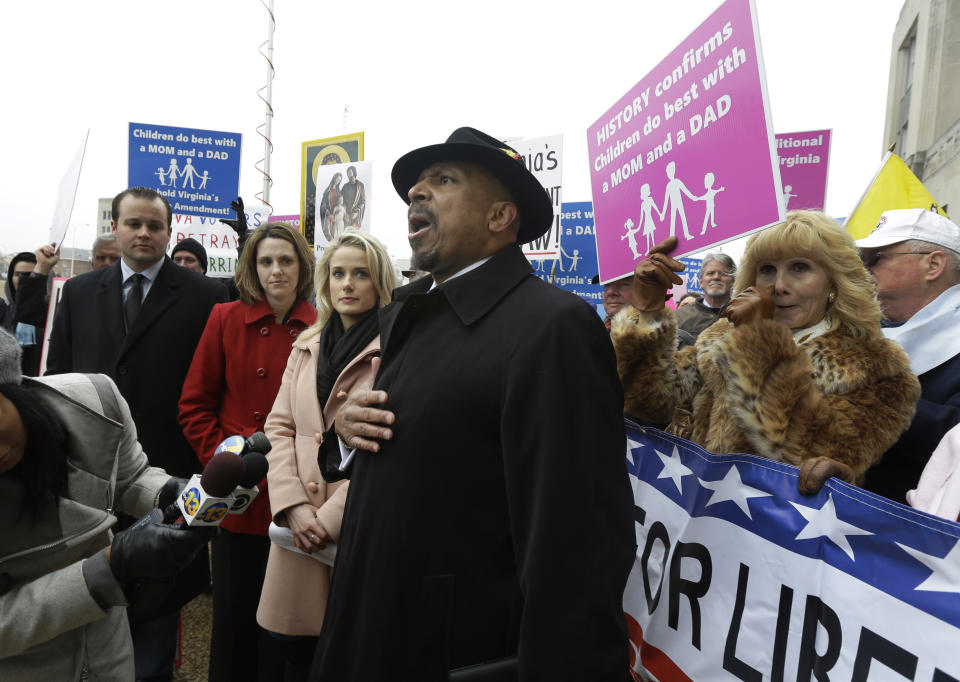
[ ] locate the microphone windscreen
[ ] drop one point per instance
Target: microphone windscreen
(234, 444)
(258, 442)
(222, 474)
(256, 466)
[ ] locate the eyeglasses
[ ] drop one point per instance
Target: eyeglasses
(870, 260)
(715, 273)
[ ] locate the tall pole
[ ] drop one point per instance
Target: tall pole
(267, 100)
(73, 247)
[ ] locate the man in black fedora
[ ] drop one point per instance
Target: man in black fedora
(489, 527)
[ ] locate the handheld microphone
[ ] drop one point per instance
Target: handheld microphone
(234, 444)
(207, 498)
(238, 445)
(257, 442)
(255, 468)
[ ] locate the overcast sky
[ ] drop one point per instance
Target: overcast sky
(406, 74)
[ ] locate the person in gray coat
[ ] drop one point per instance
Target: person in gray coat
(69, 457)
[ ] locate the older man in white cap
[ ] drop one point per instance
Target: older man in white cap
(914, 257)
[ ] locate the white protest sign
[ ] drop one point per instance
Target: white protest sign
(218, 239)
(66, 195)
(543, 156)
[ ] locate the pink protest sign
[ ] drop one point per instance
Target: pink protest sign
(292, 220)
(804, 160)
(688, 150)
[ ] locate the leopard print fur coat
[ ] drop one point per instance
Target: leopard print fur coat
(752, 389)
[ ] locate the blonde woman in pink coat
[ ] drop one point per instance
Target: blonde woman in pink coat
(354, 278)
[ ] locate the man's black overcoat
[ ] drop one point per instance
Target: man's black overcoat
(150, 363)
(498, 520)
(938, 411)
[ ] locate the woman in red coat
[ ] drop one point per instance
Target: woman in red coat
(229, 390)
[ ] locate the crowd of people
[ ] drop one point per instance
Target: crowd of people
(481, 514)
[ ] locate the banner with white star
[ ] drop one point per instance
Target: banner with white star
(740, 577)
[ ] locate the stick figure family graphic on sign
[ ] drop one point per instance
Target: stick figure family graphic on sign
(631, 236)
(787, 195)
(574, 259)
(647, 207)
(172, 173)
(672, 198)
(189, 172)
(647, 224)
(709, 197)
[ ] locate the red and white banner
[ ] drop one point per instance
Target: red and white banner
(739, 577)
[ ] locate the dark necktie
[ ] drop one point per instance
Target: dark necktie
(131, 307)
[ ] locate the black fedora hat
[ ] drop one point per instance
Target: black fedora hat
(469, 144)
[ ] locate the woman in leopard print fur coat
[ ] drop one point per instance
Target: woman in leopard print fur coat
(798, 371)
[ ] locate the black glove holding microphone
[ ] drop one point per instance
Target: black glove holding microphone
(153, 549)
(145, 558)
(170, 491)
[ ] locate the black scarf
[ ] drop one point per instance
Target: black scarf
(339, 347)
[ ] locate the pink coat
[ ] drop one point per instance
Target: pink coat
(296, 587)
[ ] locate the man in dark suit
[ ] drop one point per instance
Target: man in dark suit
(138, 321)
(493, 478)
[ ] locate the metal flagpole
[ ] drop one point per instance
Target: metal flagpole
(73, 248)
(264, 130)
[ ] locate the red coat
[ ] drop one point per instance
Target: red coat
(232, 383)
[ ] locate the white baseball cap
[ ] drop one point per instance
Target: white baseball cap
(912, 223)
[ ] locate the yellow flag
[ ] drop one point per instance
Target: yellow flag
(894, 186)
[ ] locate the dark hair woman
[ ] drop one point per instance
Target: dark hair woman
(69, 459)
(229, 390)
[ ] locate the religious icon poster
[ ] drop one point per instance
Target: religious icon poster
(316, 153)
(342, 201)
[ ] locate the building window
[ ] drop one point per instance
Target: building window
(908, 62)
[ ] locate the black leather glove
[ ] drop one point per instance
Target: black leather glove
(239, 225)
(151, 549)
(170, 491)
